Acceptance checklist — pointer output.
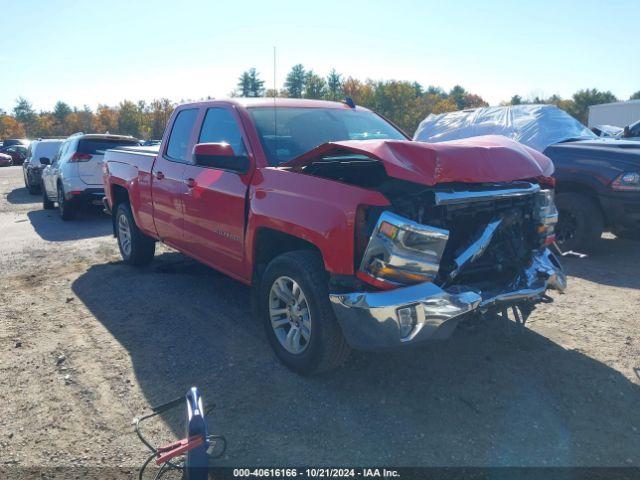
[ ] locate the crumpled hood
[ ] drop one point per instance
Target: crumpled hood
(484, 159)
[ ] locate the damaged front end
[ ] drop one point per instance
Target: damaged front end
(440, 255)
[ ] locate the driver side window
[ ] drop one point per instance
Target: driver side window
(220, 126)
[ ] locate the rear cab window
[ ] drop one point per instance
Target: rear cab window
(181, 135)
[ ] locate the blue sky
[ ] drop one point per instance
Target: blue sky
(103, 52)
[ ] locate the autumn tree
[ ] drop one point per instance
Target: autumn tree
(129, 119)
(11, 128)
(161, 110)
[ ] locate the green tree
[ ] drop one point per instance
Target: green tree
(459, 96)
(25, 114)
(334, 86)
(635, 96)
(256, 85)
(314, 86)
(61, 110)
(129, 119)
(515, 100)
(582, 99)
(437, 91)
(295, 81)
(243, 87)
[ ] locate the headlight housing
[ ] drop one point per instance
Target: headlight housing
(403, 252)
(629, 181)
(547, 215)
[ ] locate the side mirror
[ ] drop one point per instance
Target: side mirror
(45, 161)
(626, 132)
(220, 155)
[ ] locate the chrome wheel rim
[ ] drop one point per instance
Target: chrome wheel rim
(290, 315)
(124, 235)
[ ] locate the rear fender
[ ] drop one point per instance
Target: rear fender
(137, 185)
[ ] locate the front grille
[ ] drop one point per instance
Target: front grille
(511, 247)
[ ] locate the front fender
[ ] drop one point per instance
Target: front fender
(317, 210)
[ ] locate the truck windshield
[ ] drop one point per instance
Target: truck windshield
(286, 133)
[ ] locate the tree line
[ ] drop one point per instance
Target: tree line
(140, 119)
(405, 103)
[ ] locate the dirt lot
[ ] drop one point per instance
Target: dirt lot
(87, 343)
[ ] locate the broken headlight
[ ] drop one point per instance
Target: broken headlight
(547, 215)
(403, 252)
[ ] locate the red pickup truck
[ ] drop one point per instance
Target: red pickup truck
(352, 235)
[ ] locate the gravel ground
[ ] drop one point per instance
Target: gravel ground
(87, 343)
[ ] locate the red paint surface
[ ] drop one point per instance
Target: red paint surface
(490, 158)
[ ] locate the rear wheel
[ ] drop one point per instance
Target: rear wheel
(66, 209)
(580, 222)
(136, 248)
(33, 189)
(46, 203)
(299, 321)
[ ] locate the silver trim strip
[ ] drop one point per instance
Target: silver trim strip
(465, 196)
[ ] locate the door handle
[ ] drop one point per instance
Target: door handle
(159, 175)
(190, 183)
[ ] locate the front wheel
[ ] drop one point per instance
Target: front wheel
(295, 309)
(135, 247)
(580, 222)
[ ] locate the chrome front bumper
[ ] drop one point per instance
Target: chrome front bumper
(370, 320)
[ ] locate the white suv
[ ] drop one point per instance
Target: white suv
(74, 176)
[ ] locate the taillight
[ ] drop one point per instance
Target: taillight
(80, 157)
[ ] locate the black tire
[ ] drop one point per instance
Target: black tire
(46, 203)
(141, 248)
(67, 209)
(326, 348)
(580, 223)
(33, 189)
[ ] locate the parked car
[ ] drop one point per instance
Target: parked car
(32, 166)
(73, 177)
(597, 179)
(5, 160)
(16, 141)
(351, 234)
(607, 131)
(631, 132)
(18, 153)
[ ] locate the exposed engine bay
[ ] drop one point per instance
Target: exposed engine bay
(463, 211)
(442, 251)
